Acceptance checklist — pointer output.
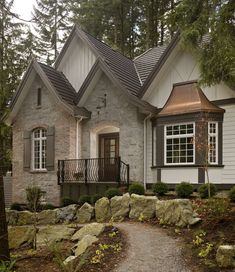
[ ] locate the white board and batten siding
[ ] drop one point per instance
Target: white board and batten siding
(77, 62)
(183, 67)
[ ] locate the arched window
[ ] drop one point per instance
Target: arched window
(39, 142)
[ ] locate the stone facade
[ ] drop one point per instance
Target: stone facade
(30, 117)
(119, 113)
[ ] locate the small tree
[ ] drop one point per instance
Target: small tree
(33, 195)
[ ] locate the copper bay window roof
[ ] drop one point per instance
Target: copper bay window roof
(187, 97)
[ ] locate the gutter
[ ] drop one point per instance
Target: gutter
(145, 148)
(78, 121)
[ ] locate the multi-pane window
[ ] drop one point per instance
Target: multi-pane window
(213, 142)
(39, 149)
(179, 143)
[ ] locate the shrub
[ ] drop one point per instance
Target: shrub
(33, 196)
(48, 206)
(136, 188)
(160, 188)
(83, 199)
(203, 190)
(232, 194)
(184, 189)
(68, 201)
(16, 206)
(95, 198)
(111, 192)
(217, 207)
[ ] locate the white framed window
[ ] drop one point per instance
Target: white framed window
(39, 140)
(213, 142)
(179, 144)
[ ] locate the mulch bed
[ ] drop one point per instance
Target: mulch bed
(45, 259)
(219, 228)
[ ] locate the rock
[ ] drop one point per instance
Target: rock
(142, 206)
(47, 217)
(94, 229)
(67, 214)
(54, 233)
(102, 210)
(178, 212)
(25, 218)
(85, 213)
(120, 207)
(70, 261)
(225, 256)
(20, 235)
(12, 217)
(83, 244)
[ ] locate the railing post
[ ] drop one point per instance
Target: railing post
(86, 160)
(58, 173)
(119, 170)
(128, 175)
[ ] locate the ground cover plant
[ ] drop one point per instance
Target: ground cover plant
(103, 256)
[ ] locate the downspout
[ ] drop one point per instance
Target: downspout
(145, 149)
(78, 121)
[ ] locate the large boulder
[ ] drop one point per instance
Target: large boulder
(225, 256)
(85, 213)
(54, 233)
(26, 218)
(102, 210)
(67, 214)
(47, 217)
(83, 244)
(12, 217)
(20, 235)
(120, 207)
(94, 229)
(142, 206)
(178, 212)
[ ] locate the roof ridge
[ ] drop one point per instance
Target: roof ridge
(142, 54)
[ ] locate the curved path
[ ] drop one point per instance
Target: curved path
(151, 250)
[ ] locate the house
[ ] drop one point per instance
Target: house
(99, 119)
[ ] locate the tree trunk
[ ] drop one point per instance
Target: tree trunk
(4, 248)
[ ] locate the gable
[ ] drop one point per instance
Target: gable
(77, 62)
(180, 67)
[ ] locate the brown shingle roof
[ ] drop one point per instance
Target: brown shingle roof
(60, 83)
(187, 97)
(122, 67)
(147, 61)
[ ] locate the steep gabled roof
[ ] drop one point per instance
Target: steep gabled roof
(147, 61)
(122, 67)
(60, 83)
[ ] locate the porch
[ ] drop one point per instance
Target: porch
(95, 170)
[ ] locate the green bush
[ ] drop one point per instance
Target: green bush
(160, 188)
(68, 201)
(84, 198)
(184, 189)
(111, 192)
(216, 207)
(48, 206)
(95, 198)
(16, 206)
(136, 188)
(33, 196)
(232, 194)
(203, 190)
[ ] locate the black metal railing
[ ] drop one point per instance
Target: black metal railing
(93, 170)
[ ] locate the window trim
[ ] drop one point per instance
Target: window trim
(41, 138)
(177, 136)
(216, 135)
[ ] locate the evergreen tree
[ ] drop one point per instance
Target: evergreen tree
(51, 18)
(207, 29)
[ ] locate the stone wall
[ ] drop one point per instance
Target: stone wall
(30, 117)
(121, 114)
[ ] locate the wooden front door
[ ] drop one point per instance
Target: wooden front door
(108, 152)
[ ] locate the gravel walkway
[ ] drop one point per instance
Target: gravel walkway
(150, 250)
